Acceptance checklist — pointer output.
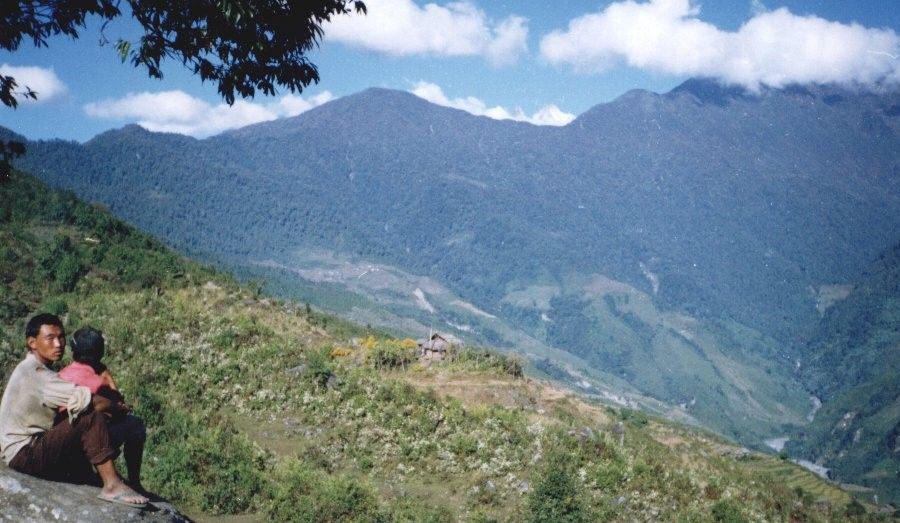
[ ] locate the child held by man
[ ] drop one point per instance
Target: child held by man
(88, 370)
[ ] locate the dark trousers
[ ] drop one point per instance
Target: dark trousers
(67, 451)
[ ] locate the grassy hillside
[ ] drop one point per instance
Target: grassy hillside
(259, 407)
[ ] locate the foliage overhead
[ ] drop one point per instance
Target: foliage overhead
(242, 46)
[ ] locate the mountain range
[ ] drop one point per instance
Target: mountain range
(678, 251)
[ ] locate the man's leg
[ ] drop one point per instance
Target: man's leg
(130, 433)
(89, 435)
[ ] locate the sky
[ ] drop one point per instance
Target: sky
(529, 60)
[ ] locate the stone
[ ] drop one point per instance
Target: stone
(295, 371)
(333, 382)
(27, 499)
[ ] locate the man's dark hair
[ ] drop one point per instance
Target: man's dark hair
(33, 327)
(87, 346)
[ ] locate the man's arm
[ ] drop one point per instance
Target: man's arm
(107, 406)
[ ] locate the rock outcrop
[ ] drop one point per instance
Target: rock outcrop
(26, 499)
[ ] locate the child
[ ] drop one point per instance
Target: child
(88, 371)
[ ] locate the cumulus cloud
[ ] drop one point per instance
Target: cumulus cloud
(773, 48)
(179, 112)
(548, 115)
(403, 28)
(42, 81)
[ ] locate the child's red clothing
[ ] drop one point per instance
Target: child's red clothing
(84, 375)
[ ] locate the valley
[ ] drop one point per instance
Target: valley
(680, 253)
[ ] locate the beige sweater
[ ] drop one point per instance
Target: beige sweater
(30, 402)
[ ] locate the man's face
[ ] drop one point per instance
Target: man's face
(49, 344)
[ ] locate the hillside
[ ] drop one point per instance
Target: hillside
(854, 361)
(675, 248)
(261, 407)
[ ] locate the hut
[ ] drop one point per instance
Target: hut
(435, 348)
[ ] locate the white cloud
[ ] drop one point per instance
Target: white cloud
(42, 81)
(403, 28)
(547, 115)
(179, 112)
(773, 48)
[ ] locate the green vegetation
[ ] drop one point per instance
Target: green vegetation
(254, 409)
(724, 249)
(854, 361)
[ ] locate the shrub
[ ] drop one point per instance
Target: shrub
(67, 273)
(558, 494)
(415, 511)
(855, 508)
(391, 355)
(203, 462)
(319, 367)
(307, 496)
(341, 352)
(55, 305)
(727, 511)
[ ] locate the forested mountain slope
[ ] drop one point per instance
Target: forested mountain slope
(653, 236)
(262, 408)
(853, 365)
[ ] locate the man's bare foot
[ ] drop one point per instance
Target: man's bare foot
(137, 487)
(122, 494)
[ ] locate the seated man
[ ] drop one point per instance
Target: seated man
(29, 440)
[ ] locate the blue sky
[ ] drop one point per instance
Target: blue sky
(531, 60)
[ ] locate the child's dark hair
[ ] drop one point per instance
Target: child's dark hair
(87, 346)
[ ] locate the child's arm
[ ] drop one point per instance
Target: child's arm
(107, 377)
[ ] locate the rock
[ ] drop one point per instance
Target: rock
(295, 371)
(523, 487)
(585, 434)
(333, 382)
(26, 499)
(619, 431)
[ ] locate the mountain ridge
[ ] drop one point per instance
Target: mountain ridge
(734, 216)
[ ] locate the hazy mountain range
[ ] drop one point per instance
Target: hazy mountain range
(685, 251)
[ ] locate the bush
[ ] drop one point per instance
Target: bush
(558, 495)
(319, 367)
(303, 495)
(203, 462)
(391, 355)
(855, 508)
(415, 511)
(55, 305)
(727, 511)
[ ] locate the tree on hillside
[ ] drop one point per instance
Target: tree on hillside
(244, 46)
